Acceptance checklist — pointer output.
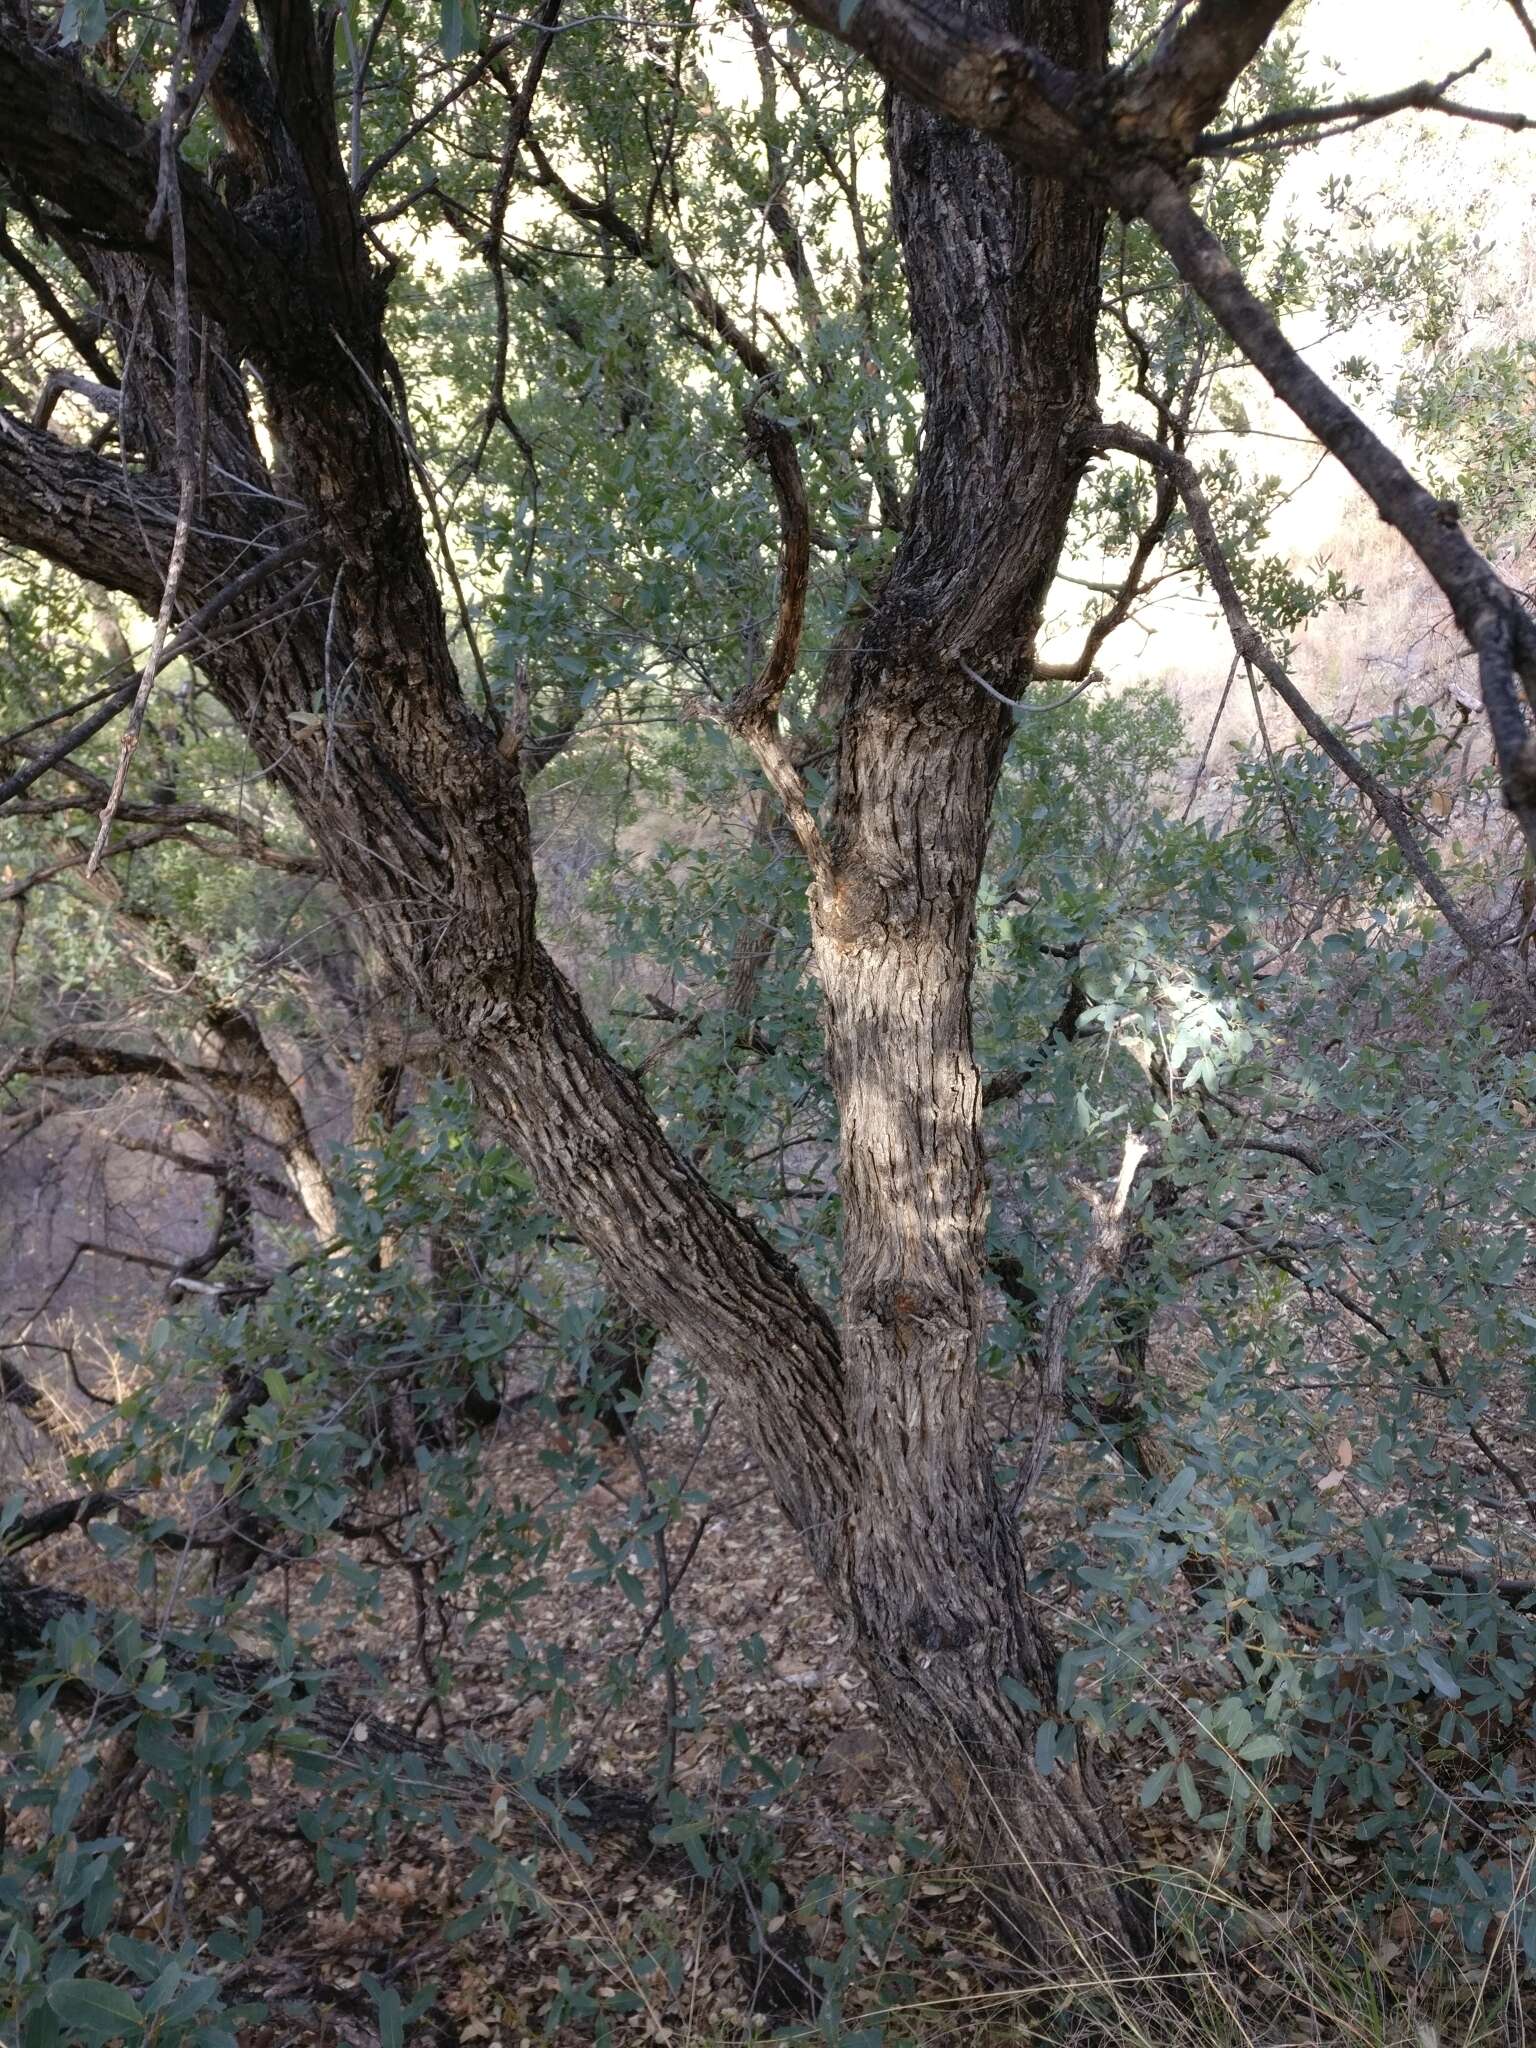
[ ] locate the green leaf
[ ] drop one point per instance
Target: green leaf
(83, 21)
(99, 2011)
(1019, 1693)
(391, 2012)
(846, 10)
(1189, 1792)
(1439, 1677)
(1257, 1747)
(1154, 1787)
(458, 28)
(40, 2029)
(1176, 1492)
(277, 1387)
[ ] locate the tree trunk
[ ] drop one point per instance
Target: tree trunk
(261, 1083)
(1003, 278)
(875, 1449)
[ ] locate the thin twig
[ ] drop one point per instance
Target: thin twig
(755, 712)
(1021, 704)
(1250, 644)
(167, 207)
(1424, 97)
(117, 697)
(1210, 739)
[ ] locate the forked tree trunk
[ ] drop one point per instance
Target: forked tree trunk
(875, 1448)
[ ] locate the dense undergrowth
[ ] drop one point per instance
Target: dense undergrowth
(368, 1568)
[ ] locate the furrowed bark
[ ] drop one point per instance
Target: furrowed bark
(424, 825)
(973, 68)
(1194, 65)
(1003, 279)
(1129, 138)
(71, 142)
(880, 1459)
(446, 903)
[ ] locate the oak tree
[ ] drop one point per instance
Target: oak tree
(268, 506)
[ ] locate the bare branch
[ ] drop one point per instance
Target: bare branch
(1250, 644)
(167, 208)
(41, 1408)
(169, 821)
(104, 397)
(1522, 15)
(136, 842)
(76, 1513)
(1489, 614)
(188, 1162)
(755, 712)
(191, 636)
(75, 1059)
(1344, 116)
(1284, 1148)
(74, 331)
(1195, 63)
(1101, 1258)
(497, 410)
(600, 213)
(154, 661)
(1122, 599)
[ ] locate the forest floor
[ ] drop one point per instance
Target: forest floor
(860, 1876)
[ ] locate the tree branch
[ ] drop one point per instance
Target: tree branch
(988, 80)
(1011, 1081)
(87, 514)
(1426, 96)
(1522, 15)
(75, 1059)
(1250, 644)
(70, 143)
(192, 634)
(334, 238)
(1114, 616)
(1490, 615)
(171, 821)
(41, 1409)
(73, 330)
(600, 214)
(755, 712)
(1101, 1259)
(1195, 62)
